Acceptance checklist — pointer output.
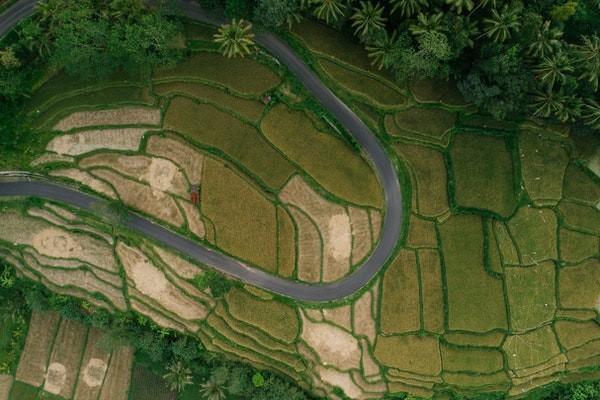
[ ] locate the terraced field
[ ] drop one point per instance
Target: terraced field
(494, 288)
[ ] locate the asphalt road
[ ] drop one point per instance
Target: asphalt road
(372, 148)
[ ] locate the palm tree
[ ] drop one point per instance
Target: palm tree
(236, 38)
(554, 69)
(546, 42)
(329, 10)
(466, 30)
(408, 8)
(458, 5)
(570, 110)
(47, 10)
(591, 114)
(381, 48)
(178, 376)
(501, 24)
(546, 103)
(213, 388)
(128, 9)
(588, 57)
(425, 23)
(368, 19)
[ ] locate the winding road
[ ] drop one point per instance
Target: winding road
(386, 172)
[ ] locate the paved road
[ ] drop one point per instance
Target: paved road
(392, 222)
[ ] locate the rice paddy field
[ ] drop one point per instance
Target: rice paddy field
(493, 290)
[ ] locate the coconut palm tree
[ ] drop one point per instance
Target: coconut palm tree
(500, 25)
(546, 103)
(408, 8)
(381, 48)
(235, 38)
(465, 30)
(458, 5)
(588, 57)
(329, 10)
(427, 23)
(213, 388)
(178, 376)
(553, 69)
(546, 42)
(368, 19)
(591, 114)
(47, 10)
(570, 110)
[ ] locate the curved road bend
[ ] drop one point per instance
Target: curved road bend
(386, 172)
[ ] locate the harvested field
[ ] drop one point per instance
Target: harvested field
(576, 246)
(245, 220)
(194, 219)
(478, 360)
(508, 250)
(483, 173)
(370, 368)
(493, 339)
(177, 264)
(251, 109)
(543, 165)
(475, 299)
(117, 116)
(53, 219)
(340, 316)
(339, 379)
(146, 385)
(286, 244)
(158, 318)
(6, 382)
(210, 126)
(230, 72)
(86, 141)
(332, 221)
(181, 153)
(573, 334)
(162, 175)
(116, 383)
(477, 381)
(421, 233)
(416, 354)
(334, 346)
(400, 307)
(63, 367)
(531, 295)
(530, 349)
(364, 323)
(49, 158)
(432, 122)
(434, 91)
(86, 179)
(363, 84)
(94, 365)
(152, 282)
(38, 345)
(429, 171)
(578, 285)
(534, 231)
(326, 158)
(579, 217)
(361, 234)
(62, 212)
(146, 199)
(580, 186)
(432, 290)
(272, 317)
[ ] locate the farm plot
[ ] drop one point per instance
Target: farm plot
(432, 122)
(434, 91)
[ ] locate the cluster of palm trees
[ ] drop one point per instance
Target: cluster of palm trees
(178, 377)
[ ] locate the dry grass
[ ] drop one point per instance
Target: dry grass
(364, 323)
(230, 72)
(177, 264)
(326, 158)
(63, 367)
(86, 179)
(576, 246)
(433, 293)
(492, 339)
(335, 346)
(421, 233)
(578, 285)
(581, 186)
(251, 109)
(274, 318)
(429, 170)
(580, 217)
(531, 295)
(431, 122)
(90, 140)
(309, 247)
(38, 345)
(416, 354)
(340, 316)
(181, 153)
(475, 299)
(49, 158)
(430, 91)
(332, 221)
(534, 231)
(157, 317)
(117, 116)
(245, 220)
(93, 368)
(53, 219)
(144, 198)
(361, 233)
(162, 175)
(193, 217)
(208, 125)
(463, 359)
(400, 308)
(572, 334)
(286, 243)
(530, 349)
(152, 283)
(116, 383)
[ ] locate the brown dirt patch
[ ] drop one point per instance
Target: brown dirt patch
(433, 293)
(156, 316)
(152, 282)
(49, 158)
(182, 154)
(93, 368)
(116, 383)
(143, 197)
(309, 247)
(341, 316)
(369, 366)
(193, 217)
(5, 385)
(333, 223)
(90, 140)
(86, 179)
(340, 379)
(118, 116)
(55, 220)
(333, 345)
(38, 345)
(286, 243)
(364, 323)
(361, 233)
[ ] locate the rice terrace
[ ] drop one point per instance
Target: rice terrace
(231, 199)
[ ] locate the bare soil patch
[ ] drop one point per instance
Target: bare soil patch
(339, 379)
(309, 247)
(177, 264)
(117, 116)
(86, 179)
(6, 382)
(49, 158)
(361, 233)
(182, 154)
(86, 141)
(341, 316)
(364, 323)
(157, 317)
(61, 212)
